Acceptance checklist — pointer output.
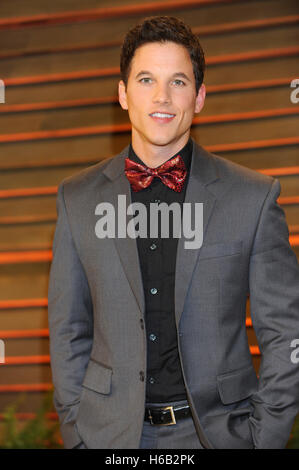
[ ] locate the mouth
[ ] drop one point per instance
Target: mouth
(162, 117)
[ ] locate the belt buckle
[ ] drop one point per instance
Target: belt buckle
(173, 420)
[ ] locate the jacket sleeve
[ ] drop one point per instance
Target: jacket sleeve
(70, 318)
(274, 305)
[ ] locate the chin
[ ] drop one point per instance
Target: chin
(162, 140)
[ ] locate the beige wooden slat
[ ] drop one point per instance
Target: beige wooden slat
(30, 178)
(117, 27)
(289, 185)
(21, 281)
(29, 206)
(69, 149)
(57, 91)
(35, 7)
(245, 130)
(62, 119)
(124, 125)
(24, 318)
(292, 215)
(72, 16)
(229, 74)
(19, 346)
(108, 57)
(68, 114)
(227, 96)
(268, 157)
(252, 70)
(36, 236)
(111, 70)
(206, 30)
(238, 42)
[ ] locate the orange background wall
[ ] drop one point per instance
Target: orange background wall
(59, 61)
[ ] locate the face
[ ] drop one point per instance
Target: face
(161, 98)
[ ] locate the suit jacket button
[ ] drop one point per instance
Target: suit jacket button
(141, 375)
(141, 323)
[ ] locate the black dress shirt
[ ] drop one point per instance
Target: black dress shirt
(157, 259)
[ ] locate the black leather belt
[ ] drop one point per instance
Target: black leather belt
(166, 416)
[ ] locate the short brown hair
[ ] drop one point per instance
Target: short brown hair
(162, 29)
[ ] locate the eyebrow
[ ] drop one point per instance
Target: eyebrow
(175, 75)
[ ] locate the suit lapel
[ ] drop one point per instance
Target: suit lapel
(202, 172)
(126, 247)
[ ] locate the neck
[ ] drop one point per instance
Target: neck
(154, 155)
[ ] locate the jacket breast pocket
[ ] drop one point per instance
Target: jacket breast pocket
(98, 377)
(237, 385)
(216, 250)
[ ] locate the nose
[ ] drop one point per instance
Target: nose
(161, 94)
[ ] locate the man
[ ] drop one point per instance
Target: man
(147, 335)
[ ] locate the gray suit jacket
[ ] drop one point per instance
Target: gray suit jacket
(96, 308)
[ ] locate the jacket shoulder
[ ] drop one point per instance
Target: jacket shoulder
(87, 175)
(242, 182)
(233, 179)
(240, 173)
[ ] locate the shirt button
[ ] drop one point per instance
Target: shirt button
(152, 337)
(152, 380)
(141, 375)
(153, 246)
(154, 290)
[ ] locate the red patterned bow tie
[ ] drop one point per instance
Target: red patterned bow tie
(172, 173)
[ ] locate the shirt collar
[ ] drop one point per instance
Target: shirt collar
(185, 153)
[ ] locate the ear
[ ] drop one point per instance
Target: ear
(200, 99)
(122, 95)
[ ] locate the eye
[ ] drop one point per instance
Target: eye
(145, 80)
(178, 82)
